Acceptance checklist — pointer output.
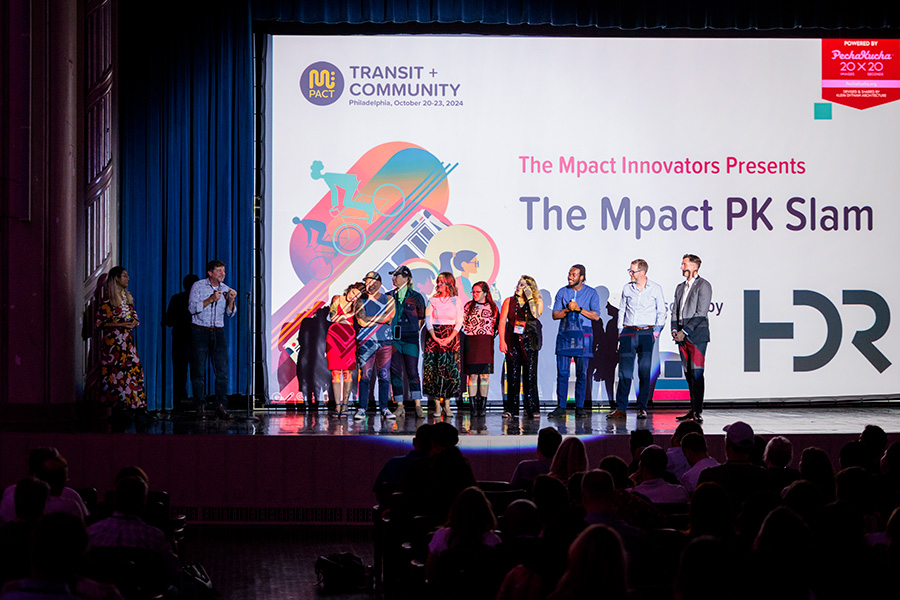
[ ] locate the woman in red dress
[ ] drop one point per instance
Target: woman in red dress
(340, 344)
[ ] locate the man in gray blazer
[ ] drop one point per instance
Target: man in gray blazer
(690, 330)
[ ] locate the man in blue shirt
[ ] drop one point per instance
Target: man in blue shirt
(642, 314)
(575, 306)
(209, 303)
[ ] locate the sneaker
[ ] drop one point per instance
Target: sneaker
(580, 412)
(642, 414)
(360, 414)
(616, 414)
(557, 412)
(387, 414)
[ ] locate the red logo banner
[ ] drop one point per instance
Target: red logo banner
(861, 73)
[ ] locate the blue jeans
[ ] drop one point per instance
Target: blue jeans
(640, 343)
(374, 356)
(206, 344)
(562, 379)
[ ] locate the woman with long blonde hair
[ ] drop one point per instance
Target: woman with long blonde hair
(443, 320)
(519, 341)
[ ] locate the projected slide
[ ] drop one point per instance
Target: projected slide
(775, 161)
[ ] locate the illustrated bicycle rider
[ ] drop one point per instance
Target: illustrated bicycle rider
(346, 181)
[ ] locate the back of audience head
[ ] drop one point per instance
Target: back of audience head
(598, 490)
(131, 471)
(779, 452)
(693, 446)
(423, 438)
(38, 456)
(653, 462)
(805, 499)
(841, 528)
(57, 546)
(890, 462)
(443, 436)
(855, 454)
(551, 497)
(30, 498)
(571, 457)
(815, 467)
(711, 512)
(549, 439)
(639, 438)
(854, 485)
(706, 570)
(875, 439)
(131, 495)
(757, 451)
(573, 485)
(470, 517)
(783, 533)
(520, 519)
(597, 554)
(55, 471)
(739, 440)
(618, 468)
(684, 428)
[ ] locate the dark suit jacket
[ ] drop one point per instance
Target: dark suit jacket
(694, 321)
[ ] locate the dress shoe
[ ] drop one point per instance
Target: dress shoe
(642, 414)
(580, 412)
(686, 416)
(557, 412)
(222, 414)
(698, 418)
(616, 414)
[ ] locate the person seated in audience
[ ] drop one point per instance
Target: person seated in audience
(560, 526)
(697, 454)
(598, 496)
(47, 465)
(526, 471)
(855, 486)
(782, 551)
(650, 482)
(634, 510)
(55, 554)
(463, 545)
(815, 467)
(805, 499)
(125, 529)
(571, 457)
(709, 569)
(738, 476)
(434, 483)
(520, 527)
(875, 442)
(394, 471)
(677, 463)
(596, 558)
(30, 498)
(887, 483)
(637, 441)
(711, 513)
(777, 457)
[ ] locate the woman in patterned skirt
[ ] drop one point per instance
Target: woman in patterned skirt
(519, 341)
(480, 324)
(121, 374)
(340, 344)
(443, 320)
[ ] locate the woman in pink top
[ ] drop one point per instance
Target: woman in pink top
(443, 320)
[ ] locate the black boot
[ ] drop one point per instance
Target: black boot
(478, 406)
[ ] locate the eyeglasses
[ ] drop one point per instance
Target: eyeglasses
(630, 272)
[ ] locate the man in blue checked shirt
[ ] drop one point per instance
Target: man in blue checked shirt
(642, 314)
(209, 303)
(575, 306)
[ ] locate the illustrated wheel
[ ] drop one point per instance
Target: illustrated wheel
(320, 268)
(388, 199)
(349, 239)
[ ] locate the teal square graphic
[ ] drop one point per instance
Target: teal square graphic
(822, 110)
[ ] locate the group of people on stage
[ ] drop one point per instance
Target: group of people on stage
(378, 334)
(384, 343)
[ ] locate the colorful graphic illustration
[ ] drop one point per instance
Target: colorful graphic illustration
(396, 193)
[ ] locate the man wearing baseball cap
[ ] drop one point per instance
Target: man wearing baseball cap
(373, 344)
(408, 320)
(740, 478)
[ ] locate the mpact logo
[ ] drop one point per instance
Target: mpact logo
(322, 83)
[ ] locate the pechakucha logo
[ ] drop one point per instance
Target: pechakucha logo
(322, 83)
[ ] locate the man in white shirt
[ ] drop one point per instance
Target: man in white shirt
(652, 486)
(693, 445)
(642, 314)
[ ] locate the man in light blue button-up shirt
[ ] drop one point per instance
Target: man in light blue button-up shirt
(642, 314)
(209, 303)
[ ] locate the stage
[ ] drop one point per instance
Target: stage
(312, 467)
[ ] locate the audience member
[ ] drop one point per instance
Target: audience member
(595, 556)
(695, 451)
(652, 486)
(394, 471)
(47, 465)
(887, 484)
(549, 440)
(738, 476)
(777, 458)
(709, 569)
(435, 482)
(30, 498)
(711, 512)
(633, 509)
(782, 551)
(598, 496)
(571, 457)
(637, 441)
(815, 467)
(805, 499)
(875, 441)
(677, 462)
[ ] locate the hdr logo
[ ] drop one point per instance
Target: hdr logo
(322, 83)
(864, 340)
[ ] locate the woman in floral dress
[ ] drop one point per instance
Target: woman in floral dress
(443, 320)
(121, 374)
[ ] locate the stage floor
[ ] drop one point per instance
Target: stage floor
(765, 420)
